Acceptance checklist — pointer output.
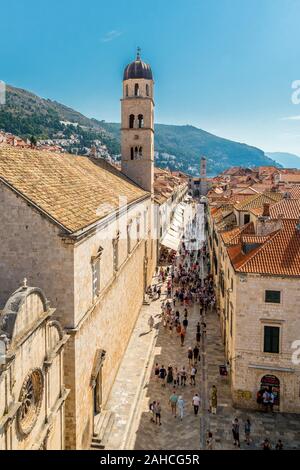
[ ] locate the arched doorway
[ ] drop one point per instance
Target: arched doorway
(271, 383)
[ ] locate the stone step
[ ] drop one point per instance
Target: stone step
(103, 427)
(97, 446)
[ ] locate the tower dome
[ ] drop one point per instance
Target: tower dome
(138, 69)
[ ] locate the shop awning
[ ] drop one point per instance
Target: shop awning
(174, 234)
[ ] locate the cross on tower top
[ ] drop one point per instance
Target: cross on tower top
(138, 53)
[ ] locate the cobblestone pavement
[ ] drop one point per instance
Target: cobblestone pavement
(273, 426)
(136, 386)
(173, 433)
(130, 379)
(191, 432)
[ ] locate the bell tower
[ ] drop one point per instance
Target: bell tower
(137, 124)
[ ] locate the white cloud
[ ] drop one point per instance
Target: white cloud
(291, 118)
(111, 35)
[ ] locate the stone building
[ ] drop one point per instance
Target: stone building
(256, 268)
(32, 391)
(137, 124)
(83, 232)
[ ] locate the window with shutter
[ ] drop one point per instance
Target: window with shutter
(271, 339)
(272, 296)
(96, 278)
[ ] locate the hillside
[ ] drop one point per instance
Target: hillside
(178, 147)
(188, 143)
(288, 160)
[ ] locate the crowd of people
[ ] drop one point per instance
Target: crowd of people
(186, 285)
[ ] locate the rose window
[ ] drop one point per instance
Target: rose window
(31, 398)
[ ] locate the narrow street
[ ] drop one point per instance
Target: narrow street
(136, 386)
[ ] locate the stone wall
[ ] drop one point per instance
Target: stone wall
(31, 247)
(252, 363)
(29, 350)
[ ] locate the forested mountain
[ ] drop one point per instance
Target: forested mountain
(177, 147)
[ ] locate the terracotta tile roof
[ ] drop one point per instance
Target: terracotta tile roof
(256, 211)
(258, 200)
(232, 237)
(286, 209)
(222, 215)
(255, 238)
(290, 177)
(279, 255)
(75, 191)
(166, 182)
(295, 192)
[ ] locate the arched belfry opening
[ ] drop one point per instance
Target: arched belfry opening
(131, 121)
(137, 127)
(141, 120)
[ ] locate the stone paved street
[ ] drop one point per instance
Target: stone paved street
(185, 435)
(173, 434)
(136, 386)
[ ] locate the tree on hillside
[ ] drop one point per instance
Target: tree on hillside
(33, 141)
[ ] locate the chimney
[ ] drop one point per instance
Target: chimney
(298, 226)
(266, 210)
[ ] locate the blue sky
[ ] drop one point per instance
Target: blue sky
(226, 66)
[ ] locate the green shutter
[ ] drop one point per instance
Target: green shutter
(275, 340)
(271, 339)
(272, 296)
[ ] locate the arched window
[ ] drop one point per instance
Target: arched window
(136, 152)
(147, 89)
(126, 90)
(136, 90)
(140, 152)
(131, 153)
(131, 121)
(141, 120)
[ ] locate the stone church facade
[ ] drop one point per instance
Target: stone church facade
(32, 390)
(83, 232)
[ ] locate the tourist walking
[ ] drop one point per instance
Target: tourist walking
(156, 372)
(193, 376)
(236, 432)
(183, 376)
(279, 445)
(196, 354)
(182, 336)
(170, 375)
(173, 402)
(265, 400)
(214, 400)
(176, 377)
(185, 323)
(152, 410)
(209, 441)
(180, 404)
(266, 445)
(247, 431)
(196, 403)
(190, 356)
(151, 322)
(157, 410)
(162, 375)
